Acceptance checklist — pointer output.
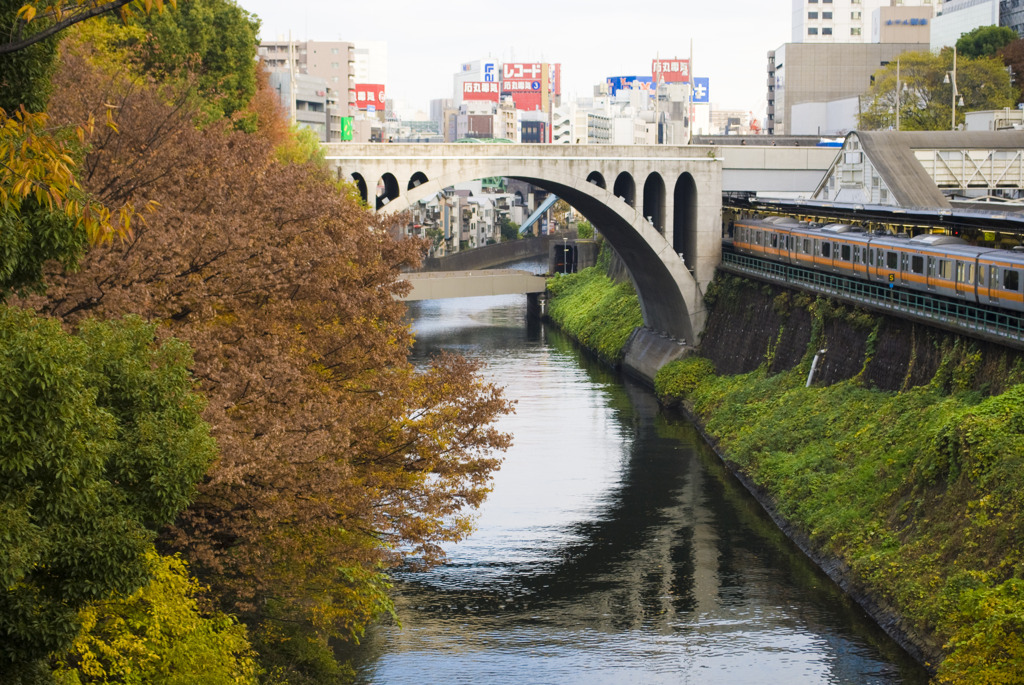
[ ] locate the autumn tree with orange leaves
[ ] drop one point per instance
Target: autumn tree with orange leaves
(337, 458)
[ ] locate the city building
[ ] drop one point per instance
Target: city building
(814, 88)
(842, 21)
(962, 16)
(330, 66)
(308, 98)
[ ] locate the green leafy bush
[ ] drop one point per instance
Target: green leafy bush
(596, 311)
(676, 380)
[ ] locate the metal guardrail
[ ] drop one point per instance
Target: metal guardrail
(958, 317)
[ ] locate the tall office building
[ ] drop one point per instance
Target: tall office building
(332, 63)
(844, 21)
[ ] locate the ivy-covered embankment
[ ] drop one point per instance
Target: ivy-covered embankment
(899, 470)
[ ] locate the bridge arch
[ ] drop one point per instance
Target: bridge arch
(670, 298)
(387, 189)
(625, 188)
(654, 201)
(684, 221)
(417, 179)
(597, 179)
(360, 184)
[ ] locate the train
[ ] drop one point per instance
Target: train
(940, 265)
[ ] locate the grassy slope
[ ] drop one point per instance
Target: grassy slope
(918, 493)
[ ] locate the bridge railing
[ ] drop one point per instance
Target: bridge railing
(959, 317)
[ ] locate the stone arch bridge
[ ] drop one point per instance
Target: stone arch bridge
(660, 206)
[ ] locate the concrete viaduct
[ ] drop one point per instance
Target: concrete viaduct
(658, 206)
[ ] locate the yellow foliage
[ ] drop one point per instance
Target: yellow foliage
(158, 635)
(37, 163)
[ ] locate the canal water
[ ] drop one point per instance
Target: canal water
(614, 547)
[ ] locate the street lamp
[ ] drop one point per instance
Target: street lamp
(951, 78)
(565, 255)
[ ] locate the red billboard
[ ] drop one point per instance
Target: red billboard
(481, 90)
(524, 81)
(670, 71)
(370, 95)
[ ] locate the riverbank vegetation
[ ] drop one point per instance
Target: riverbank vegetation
(249, 418)
(917, 493)
(593, 309)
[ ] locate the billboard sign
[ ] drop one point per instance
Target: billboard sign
(701, 91)
(490, 70)
(520, 71)
(620, 83)
(481, 90)
(524, 81)
(370, 95)
(670, 70)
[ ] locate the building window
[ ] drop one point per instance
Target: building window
(812, 15)
(826, 31)
(334, 51)
(812, 31)
(855, 31)
(855, 15)
(826, 15)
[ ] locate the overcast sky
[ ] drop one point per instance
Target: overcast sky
(427, 42)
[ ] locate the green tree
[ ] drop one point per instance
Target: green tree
(101, 442)
(509, 229)
(212, 39)
(27, 23)
(985, 41)
(585, 230)
(925, 99)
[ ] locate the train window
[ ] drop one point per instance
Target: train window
(964, 272)
(775, 239)
(930, 261)
(917, 264)
(856, 255)
(844, 252)
(826, 249)
(807, 246)
(945, 269)
(871, 256)
(1011, 279)
(993, 276)
(757, 237)
(890, 260)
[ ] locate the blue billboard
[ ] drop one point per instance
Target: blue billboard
(617, 83)
(701, 91)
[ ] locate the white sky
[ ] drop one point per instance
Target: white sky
(428, 41)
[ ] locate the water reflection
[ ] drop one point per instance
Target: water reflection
(613, 549)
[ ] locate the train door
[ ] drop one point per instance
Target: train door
(931, 272)
(963, 281)
(990, 284)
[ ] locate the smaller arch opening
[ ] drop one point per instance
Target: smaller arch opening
(387, 189)
(625, 189)
(654, 201)
(597, 179)
(418, 179)
(360, 184)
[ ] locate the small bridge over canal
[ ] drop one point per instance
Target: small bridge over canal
(436, 285)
